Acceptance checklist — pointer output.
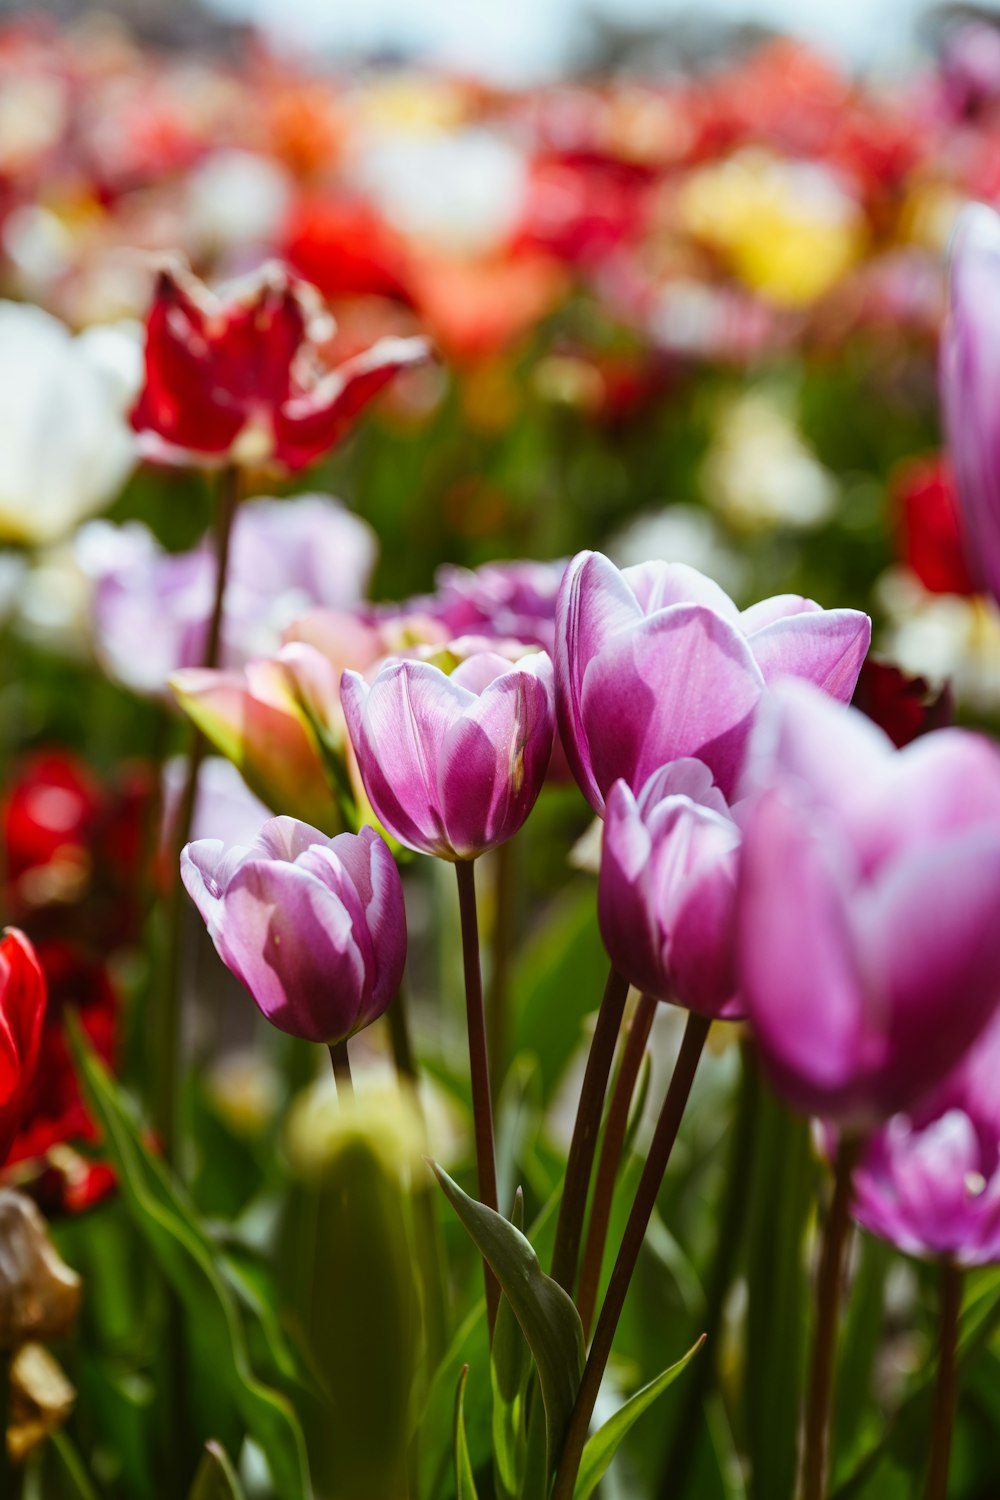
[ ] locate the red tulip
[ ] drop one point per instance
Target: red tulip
(22, 1010)
(237, 377)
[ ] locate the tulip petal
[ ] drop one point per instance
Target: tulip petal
(657, 585)
(680, 683)
(825, 647)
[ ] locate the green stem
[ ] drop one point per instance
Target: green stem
(583, 1145)
(479, 1063)
(731, 1228)
(635, 1232)
(9, 1477)
(946, 1383)
(829, 1282)
(342, 1071)
(169, 1013)
(609, 1161)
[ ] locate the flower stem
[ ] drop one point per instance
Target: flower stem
(168, 1018)
(479, 1063)
(342, 1071)
(828, 1289)
(585, 1130)
(945, 1386)
(635, 1231)
(497, 1018)
(609, 1160)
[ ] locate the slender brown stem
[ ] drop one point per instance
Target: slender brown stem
(635, 1231)
(583, 1145)
(609, 1161)
(498, 997)
(946, 1384)
(342, 1070)
(168, 1020)
(403, 1054)
(828, 1289)
(479, 1063)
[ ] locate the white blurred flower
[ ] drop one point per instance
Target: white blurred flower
(236, 199)
(462, 191)
(66, 447)
(943, 637)
(225, 808)
(681, 533)
(52, 602)
(760, 473)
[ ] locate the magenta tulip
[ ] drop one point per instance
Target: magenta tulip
(452, 764)
(656, 663)
(313, 927)
(667, 891)
(930, 1183)
(868, 939)
(970, 385)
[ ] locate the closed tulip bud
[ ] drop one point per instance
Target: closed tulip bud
(452, 764)
(667, 891)
(655, 663)
(22, 1011)
(313, 927)
(869, 946)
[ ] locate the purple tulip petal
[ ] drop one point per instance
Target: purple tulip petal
(778, 607)
(681, 683)
(825, 647)
(657, 585)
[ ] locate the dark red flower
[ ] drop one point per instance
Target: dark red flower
(905, 707)
(344, 247)
(930, 538)
(48, 823)
(22, 1010)
(238, 377)
(54, 1113)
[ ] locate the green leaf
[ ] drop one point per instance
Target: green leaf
(547, 1315)
(465, 1482)
(510, 1369)
(190, 1262)
(433, 1428)
(602, 1447)
(216, 1478)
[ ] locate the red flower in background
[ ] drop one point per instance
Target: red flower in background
(48, 823)
(53, 1113)
(905, 707)
(930, 538)
(22, 1010)
(238, 377)
(344, 248)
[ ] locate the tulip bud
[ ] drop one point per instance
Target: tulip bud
(357, 1297)
(452, 764)
(313, 927)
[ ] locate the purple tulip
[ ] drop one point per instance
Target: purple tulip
(313, 927)
(151, 608)
(868, 939)
(930, 1184)
(655, 663)
(452, 764)
(667, 891)
(970, 385)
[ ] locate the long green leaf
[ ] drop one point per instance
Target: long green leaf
(465, 1480)
(216, 1478)
(547, 1315)
(510, 1368)
(190, 1262)
(602, 1447)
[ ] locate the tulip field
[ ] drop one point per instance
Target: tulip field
(499, 775)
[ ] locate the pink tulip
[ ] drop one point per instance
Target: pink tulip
(970, 385)
(313, 927)
(868, 939)
(452, 764)
(667, 892)
(656, 663)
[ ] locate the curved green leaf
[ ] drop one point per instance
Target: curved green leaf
(547, 1315)
(190, 1261)
(510, 1369)
(602, 1447)
(216, 1478)
(465, 1482)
